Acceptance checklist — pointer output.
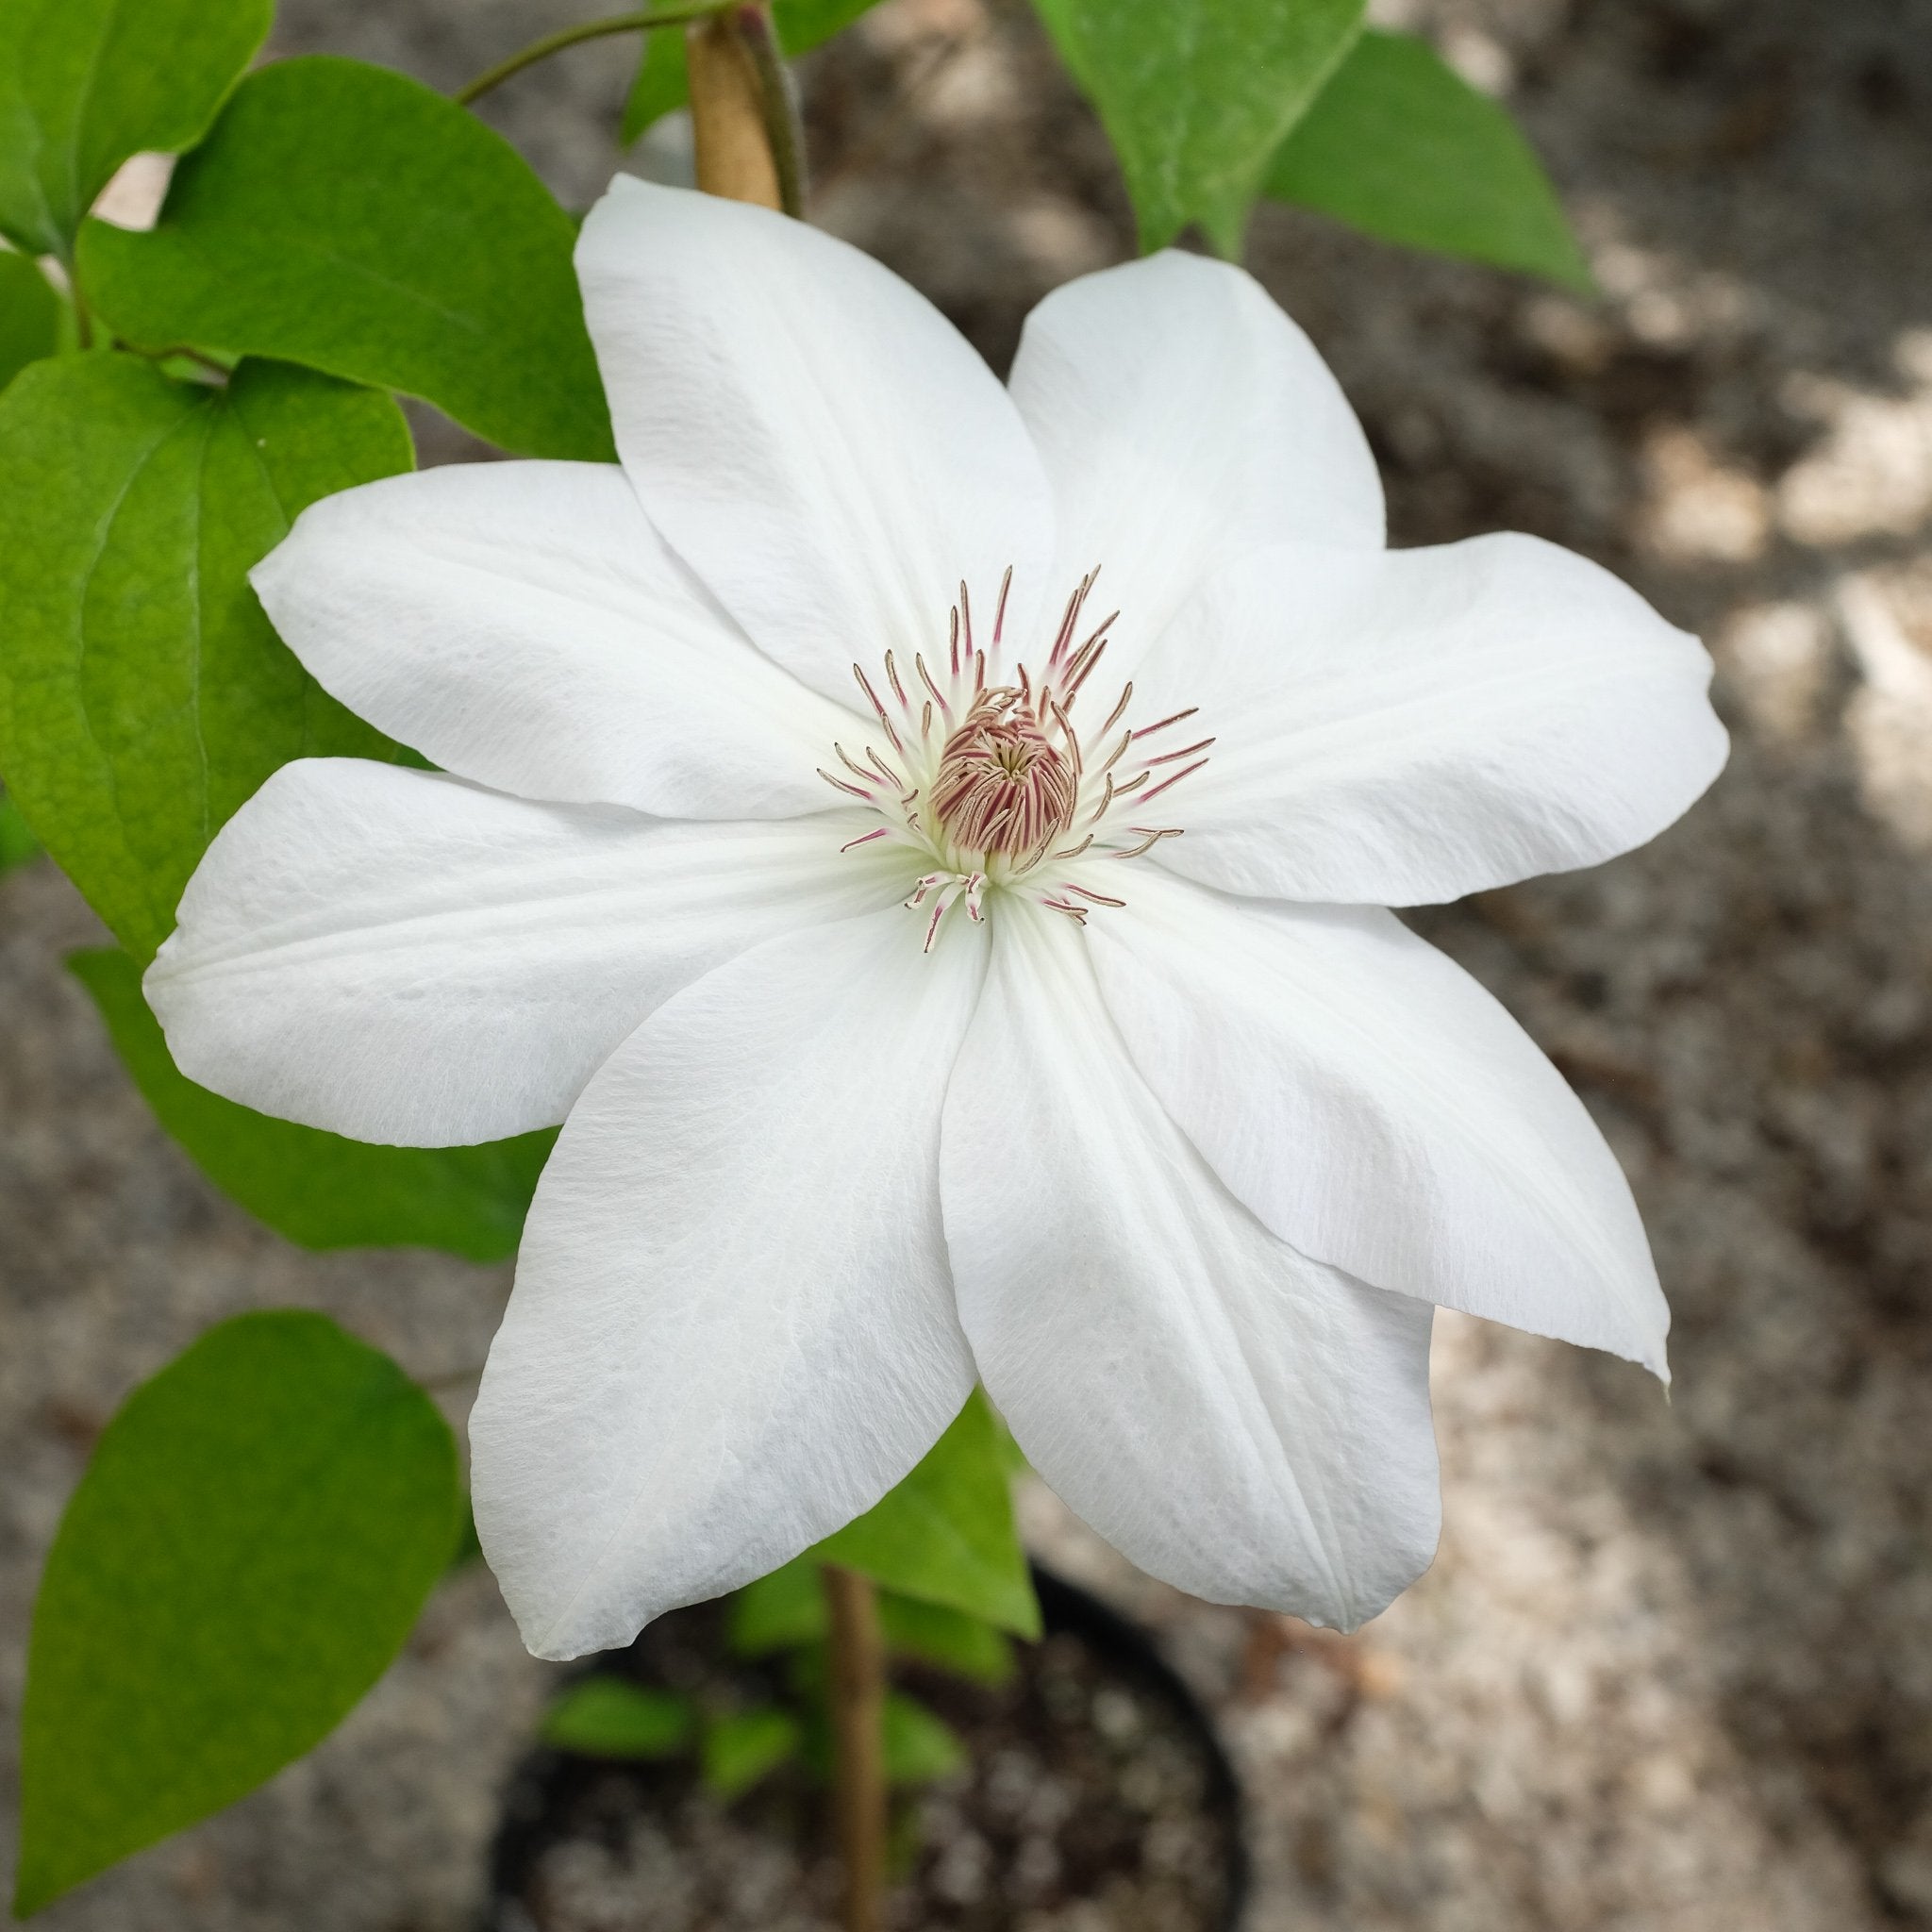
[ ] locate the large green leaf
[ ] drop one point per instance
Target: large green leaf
(318, 1188)
(86, 83)
(17, 843)
(142, 694)
(946, 1535)
(29, 316)
(663, 82)
(1197, 94)
(347, 217)
(1400, 146)
(248, 1549)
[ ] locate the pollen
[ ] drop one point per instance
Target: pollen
(1002, 789)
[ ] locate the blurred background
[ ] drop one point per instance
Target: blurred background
(1673, 1668)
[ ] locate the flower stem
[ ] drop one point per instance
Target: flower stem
(778, 98)
(857, 1691)
(672, 15)
(742, 115)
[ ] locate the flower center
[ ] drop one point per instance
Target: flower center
(984, 773)
(1001, 788)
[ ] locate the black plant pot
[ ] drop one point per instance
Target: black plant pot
(1096, 1779)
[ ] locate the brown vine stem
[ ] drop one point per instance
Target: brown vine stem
(779, 102)
(858, 1696)
(675, 15)
(744, 120)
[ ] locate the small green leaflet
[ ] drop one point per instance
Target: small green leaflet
(346, 217)
(745, 1747)
(787, 1610)
(30, 316)
(606, 1717)
(662, 82)
(609, 1716)
(317, 1189)
(932, 1634)
(86, 83)
(249, 1547)
(1196, 95)
(1400, 146)
(780, 1611)
(920, 1745)
(142, 694)
(946, 1535)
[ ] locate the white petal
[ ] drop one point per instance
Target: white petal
(1403, 728)
(732, 1329)
(522, 624)
(1376, 1107)
(1239, 1420)
(1184, 419)
(814, 438)
(401, 956)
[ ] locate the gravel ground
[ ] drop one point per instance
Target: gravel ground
(1673, 1670)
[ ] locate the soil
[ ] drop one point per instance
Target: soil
(1671, 1671)
(1091, 1801)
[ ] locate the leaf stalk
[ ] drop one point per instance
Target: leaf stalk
(641, 22)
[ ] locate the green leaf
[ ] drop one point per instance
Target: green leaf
(86, 83)
(748, 1745)
(968, 1646)
(317, 1189)
(347, 217)
(469, 1547)
(143, 696)
(29, 316)
(803, 25)
(920, 1746)
(946, 1535)
(607, 1716)
(17, 843)
(663, 83)
(1197, 94)
(780, 1611)
(786, 1611)
(248, 1551)
(1400, 146)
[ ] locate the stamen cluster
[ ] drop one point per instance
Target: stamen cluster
(984, 770)
(1002, 788)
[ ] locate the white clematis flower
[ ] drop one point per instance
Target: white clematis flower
(926, 842)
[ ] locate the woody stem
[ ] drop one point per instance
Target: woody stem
(743, 117)
(857, 1698)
